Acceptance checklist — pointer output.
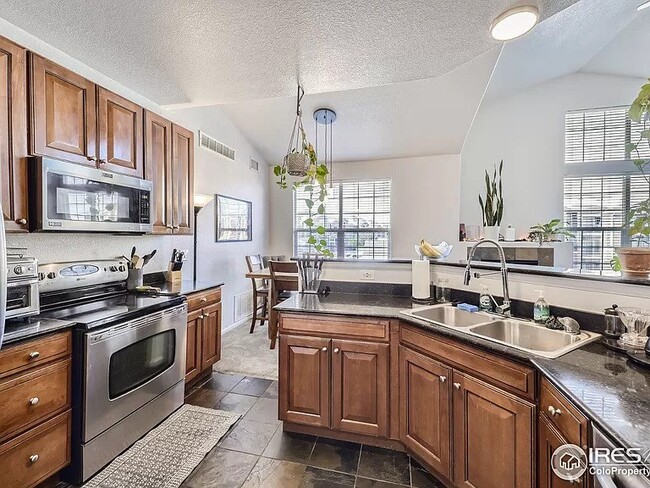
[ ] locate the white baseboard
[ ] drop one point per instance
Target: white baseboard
(237, 324)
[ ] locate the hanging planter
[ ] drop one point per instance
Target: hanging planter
(296, 164)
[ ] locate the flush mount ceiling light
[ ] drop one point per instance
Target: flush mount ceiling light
(514, 22)
(643, 5)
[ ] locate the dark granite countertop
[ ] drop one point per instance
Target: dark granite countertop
(608, 388)
(187, 287)
(19, 330)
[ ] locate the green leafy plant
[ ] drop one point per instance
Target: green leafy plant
(545, 232)
(492, 206)
(315, 186)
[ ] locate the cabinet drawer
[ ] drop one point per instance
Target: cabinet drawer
(201, 299)
(562, 414)
(37, 454)
(335, 326)
(508, 375)
(34, 396)
(25, 355)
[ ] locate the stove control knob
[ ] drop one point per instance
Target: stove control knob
(122, 268)
(19, 270)
(41, 276)
(113, 269)
(51, 275)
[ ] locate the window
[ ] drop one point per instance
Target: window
(601, 183)
(356, 219)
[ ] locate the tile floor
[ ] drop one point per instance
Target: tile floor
(257, 453)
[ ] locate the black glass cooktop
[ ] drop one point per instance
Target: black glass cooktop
(98, 313)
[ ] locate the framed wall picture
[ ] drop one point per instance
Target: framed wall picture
(234, 219)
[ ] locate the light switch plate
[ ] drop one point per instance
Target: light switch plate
(367, 275)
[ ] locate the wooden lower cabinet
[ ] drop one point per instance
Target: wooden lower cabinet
(493, 436)
(203, 346)
(360, 387)
(425, 406)
(548, 440)
(305, 380)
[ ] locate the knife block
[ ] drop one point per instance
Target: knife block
(174, 277)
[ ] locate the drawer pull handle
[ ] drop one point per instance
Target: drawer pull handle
(34, 401)
(554, 412)
(324, 349)
(34, 354)
(203, 300)
(33, 458)
(21, 221)
(336, 350)
(442, 379)
(457, 386)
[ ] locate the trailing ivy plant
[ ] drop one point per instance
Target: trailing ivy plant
(315, 186)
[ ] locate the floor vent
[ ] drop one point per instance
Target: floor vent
(211, 144)
(243, 306)
(254, 165)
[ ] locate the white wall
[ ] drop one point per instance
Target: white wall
(221, 262)
(526, 130)
(424, 201)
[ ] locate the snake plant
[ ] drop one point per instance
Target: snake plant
(492, 206)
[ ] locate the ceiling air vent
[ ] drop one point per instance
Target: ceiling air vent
(211, 144)
(254, 165)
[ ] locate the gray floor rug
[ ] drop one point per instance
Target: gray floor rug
(248, 354)
(168, 454)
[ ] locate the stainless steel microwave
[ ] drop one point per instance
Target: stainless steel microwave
(70, 197)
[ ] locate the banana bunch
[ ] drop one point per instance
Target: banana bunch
(428, 250)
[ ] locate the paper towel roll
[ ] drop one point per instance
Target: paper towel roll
(421, 278)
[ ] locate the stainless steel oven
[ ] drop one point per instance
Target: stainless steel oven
(133, 377)
(72, 197)
(22, 285)
(612, 478)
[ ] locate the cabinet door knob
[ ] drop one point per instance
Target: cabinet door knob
(34, 401)
(176, 227)
(33, 458)
(201, 316)
(91, 158)
(442, 378)
(324, 349)
(554, 412)
(34, 354)
(457, 386)
(336, 350)
(21, 221)
(203, 300)
(102, 161)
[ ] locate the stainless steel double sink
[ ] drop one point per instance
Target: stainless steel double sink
(520, 334)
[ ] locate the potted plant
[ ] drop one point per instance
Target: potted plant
(634, 261)
(492, 206)
(549, 232)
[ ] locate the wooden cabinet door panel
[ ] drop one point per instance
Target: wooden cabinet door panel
(182, 180)
(120, 134)
(211, 335)
(548, 440)
(360, 387)
(63, 108)
(493, 436)
(193, 345)
(158, 165)
(425, 409)
(13, 135)
(305, 380)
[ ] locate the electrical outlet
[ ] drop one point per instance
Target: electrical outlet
(368, 275)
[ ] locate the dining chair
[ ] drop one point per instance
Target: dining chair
(281, 288)
(260, 291)
(266, 259)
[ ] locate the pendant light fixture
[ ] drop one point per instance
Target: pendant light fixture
(324, 118)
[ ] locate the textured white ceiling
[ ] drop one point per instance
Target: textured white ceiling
(221, 51)
(414, 118)
(568, 41)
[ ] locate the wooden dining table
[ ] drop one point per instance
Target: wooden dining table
(265, 274)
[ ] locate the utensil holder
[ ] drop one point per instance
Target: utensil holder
(174, 277)
(134, 279)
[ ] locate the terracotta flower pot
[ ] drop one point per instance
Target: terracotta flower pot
(635, 261)
(296, 164)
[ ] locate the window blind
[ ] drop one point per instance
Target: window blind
(356, 219)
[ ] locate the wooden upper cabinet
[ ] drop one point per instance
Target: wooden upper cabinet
(182, 179)
(304, 396)
(493, 436)
(63, 108)
(360, 387)
(425, 407)
(119, 123)
(13, 135)
(158, 169)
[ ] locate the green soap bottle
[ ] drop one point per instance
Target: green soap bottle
(541, 309)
